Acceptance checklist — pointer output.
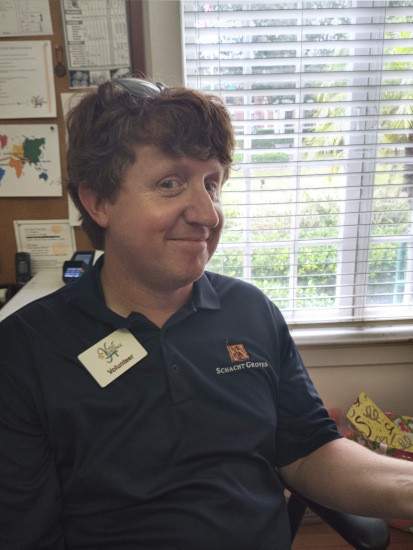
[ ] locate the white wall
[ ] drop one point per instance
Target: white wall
(163, 41)
(383, 371)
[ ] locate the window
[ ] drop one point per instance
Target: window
(319, 203)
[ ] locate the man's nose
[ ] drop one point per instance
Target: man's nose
(201, 208)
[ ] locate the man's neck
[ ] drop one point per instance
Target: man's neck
(125, 294)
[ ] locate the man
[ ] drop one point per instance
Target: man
(151, 404)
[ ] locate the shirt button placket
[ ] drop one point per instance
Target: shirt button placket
(178, 383)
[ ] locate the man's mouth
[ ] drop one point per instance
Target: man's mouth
(192, 238)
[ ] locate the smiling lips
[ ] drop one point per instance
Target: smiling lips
(194, 243)
(191, 240)
(199, 238)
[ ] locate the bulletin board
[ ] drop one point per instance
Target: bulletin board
(54, 206)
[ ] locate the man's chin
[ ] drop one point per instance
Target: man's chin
(191, 275)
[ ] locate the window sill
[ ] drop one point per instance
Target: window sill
(356, 333)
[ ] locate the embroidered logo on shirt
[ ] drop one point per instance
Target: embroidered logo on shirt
(108, 351)
(237, 353)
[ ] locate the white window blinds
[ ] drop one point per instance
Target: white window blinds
(319, 203)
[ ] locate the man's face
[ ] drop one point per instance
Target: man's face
(166, 221)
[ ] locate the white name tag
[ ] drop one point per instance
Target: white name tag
(112, 356)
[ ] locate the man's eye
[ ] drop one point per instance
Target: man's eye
(213, 188)
(170, 184)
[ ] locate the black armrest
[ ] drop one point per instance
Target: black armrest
(363, 533)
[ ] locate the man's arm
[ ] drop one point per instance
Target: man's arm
(30, 499)
(345, 476)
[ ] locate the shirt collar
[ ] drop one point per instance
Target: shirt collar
(204, 294)
(87, 295)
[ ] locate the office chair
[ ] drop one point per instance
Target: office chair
(362, 533)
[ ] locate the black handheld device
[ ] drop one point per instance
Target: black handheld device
(72, 270)
(23, 267)
(77, 265)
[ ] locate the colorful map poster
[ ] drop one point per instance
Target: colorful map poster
(29, 160)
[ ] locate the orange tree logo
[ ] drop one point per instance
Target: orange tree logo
(237, 353)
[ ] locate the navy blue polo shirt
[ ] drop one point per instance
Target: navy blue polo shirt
(178, 453)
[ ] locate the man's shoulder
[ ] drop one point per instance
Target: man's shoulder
(239, 294)
(224, 284)
(37, 310)
(243, 306)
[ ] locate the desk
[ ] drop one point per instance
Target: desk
(42, 283)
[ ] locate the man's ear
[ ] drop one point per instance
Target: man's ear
(95, 206)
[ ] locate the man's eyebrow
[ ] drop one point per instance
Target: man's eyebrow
(179, 165)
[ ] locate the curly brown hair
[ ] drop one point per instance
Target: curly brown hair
(105, 127)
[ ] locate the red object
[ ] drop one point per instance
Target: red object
(405, 455)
